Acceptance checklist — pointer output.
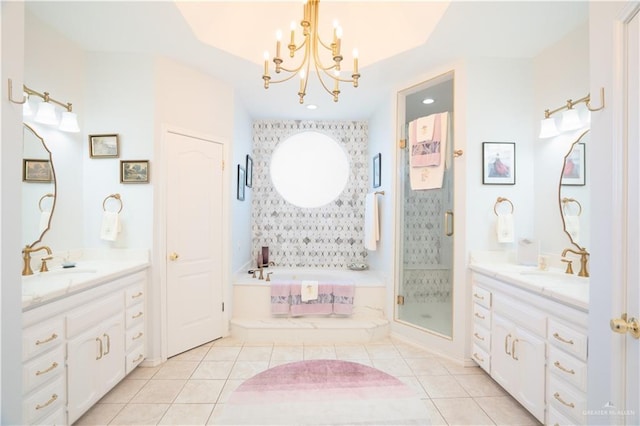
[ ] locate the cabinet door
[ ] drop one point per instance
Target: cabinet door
(503, 366)
(112, 364)
(529, 353)
(84, 381)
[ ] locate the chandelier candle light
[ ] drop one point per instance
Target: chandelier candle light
(312, 45)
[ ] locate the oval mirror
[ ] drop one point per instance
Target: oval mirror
(309, 169)
(38, 187)
(574, 194)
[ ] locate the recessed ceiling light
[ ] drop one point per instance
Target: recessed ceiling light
(312, 106)
(428, 101)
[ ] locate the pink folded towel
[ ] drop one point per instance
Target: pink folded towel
(343, 299)
(320, 306)
(280, 297)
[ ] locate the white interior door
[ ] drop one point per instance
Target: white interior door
(194, 241)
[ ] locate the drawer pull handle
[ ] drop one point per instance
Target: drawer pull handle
(47, 340)
(506, 344)
(137, 336)
(568, 404)
(138, 315)
(557, 336)
(106, 336)
(478, 357)
(135, 296)
(558, 365)
(45, 371)
(48, 403)
(477, 315)
(477, 296)
(513, 349)
(135, 361)
(99, 348)
(479, 337)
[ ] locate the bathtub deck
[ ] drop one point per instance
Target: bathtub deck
(309, 330)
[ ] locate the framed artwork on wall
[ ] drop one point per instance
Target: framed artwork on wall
(498, 163)
(574, 172)
(249, 170)
(241, 182)
(134, 171)
(104, 146)
(376, 170)
(35, 170)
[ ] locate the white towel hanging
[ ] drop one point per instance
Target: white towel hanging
(110, 226)
(371, 222)
(505, 228)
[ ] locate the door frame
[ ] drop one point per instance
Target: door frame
(157, 347)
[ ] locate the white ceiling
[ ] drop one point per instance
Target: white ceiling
(413, 37)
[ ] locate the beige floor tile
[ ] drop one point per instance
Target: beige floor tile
(366, 361)
(504, 410)
(123, 392)
(214, 418)
(227, 341)
(140, 414)
(99, 414)
(227, 390)
(414, 384)
(287, 353)
(410, 351)
(173, 369)
(213, 370)
(459, 369)
(382, 352)
(143, 373)
(442, 387)
(278, 362)
(195, 354)
(200, 392)
(349, 352)
(247, 369)
(255, 353)
(395, 367)
(480, 385)
(187, 414)
(319, 352)
(159, 392)
(223, 353)
(426, 366)
(462, 411)
(434, 414)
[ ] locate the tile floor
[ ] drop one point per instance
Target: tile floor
(191, 388)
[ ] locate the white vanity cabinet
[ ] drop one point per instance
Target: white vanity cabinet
(75, 348)
(538, 347)
(482, 327)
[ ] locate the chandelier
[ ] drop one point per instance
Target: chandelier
(313, 47)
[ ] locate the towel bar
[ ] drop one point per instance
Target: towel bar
(500, 200)
(117, 197)
(566, 201)
(42, 198)
(379, 193)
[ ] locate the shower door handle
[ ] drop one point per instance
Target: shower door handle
(448, 223)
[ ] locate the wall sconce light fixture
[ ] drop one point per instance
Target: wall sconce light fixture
(46, 110)
(570, 118)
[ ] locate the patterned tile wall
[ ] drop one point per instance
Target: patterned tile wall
(325, 237)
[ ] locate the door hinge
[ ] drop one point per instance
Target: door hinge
(222, 165)
(402, 143)
(400, 300)
(222, 306)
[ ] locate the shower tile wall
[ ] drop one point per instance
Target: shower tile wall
(324, 237)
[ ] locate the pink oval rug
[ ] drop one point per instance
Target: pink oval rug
(324, 392)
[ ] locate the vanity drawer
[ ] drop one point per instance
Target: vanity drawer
(555, 418)
(134, 315)
(481, 296)
(133, 295)
(135, 357)
(521, 314)
(481, 316)
(134, 336)
(567, 338)
(45, 402)
(92, 314)
(567, 400)
(481, 337)
(42, 369)
(481, 357)
(42, 337)
(568, 368)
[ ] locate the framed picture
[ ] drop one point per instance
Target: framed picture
(134, 171)
(574, 172)
(104, 146)
(242, 176)
(376, 170)
(498, 163)
(35, 170)
(249, 170)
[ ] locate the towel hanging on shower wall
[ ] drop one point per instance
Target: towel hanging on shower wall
(426, 167)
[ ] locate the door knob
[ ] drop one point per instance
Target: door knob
(621, 325)
(174, 256)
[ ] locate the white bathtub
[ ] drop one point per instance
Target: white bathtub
(358, 278)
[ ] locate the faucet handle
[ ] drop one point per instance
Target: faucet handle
(43, 266)
(569, 268)
(268, 276)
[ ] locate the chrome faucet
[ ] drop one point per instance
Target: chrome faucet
(584, 258)
(26, 256)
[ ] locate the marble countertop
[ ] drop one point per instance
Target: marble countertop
(553, 283)
(92, 268)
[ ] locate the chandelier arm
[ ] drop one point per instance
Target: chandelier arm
(284, 79)
(322, 81)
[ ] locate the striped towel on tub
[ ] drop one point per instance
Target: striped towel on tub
(343, 298)
(322, 305)
(280, 297)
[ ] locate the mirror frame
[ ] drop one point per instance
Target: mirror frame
(55, 185)
(564, 161)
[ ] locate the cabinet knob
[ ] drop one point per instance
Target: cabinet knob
(174, 256)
